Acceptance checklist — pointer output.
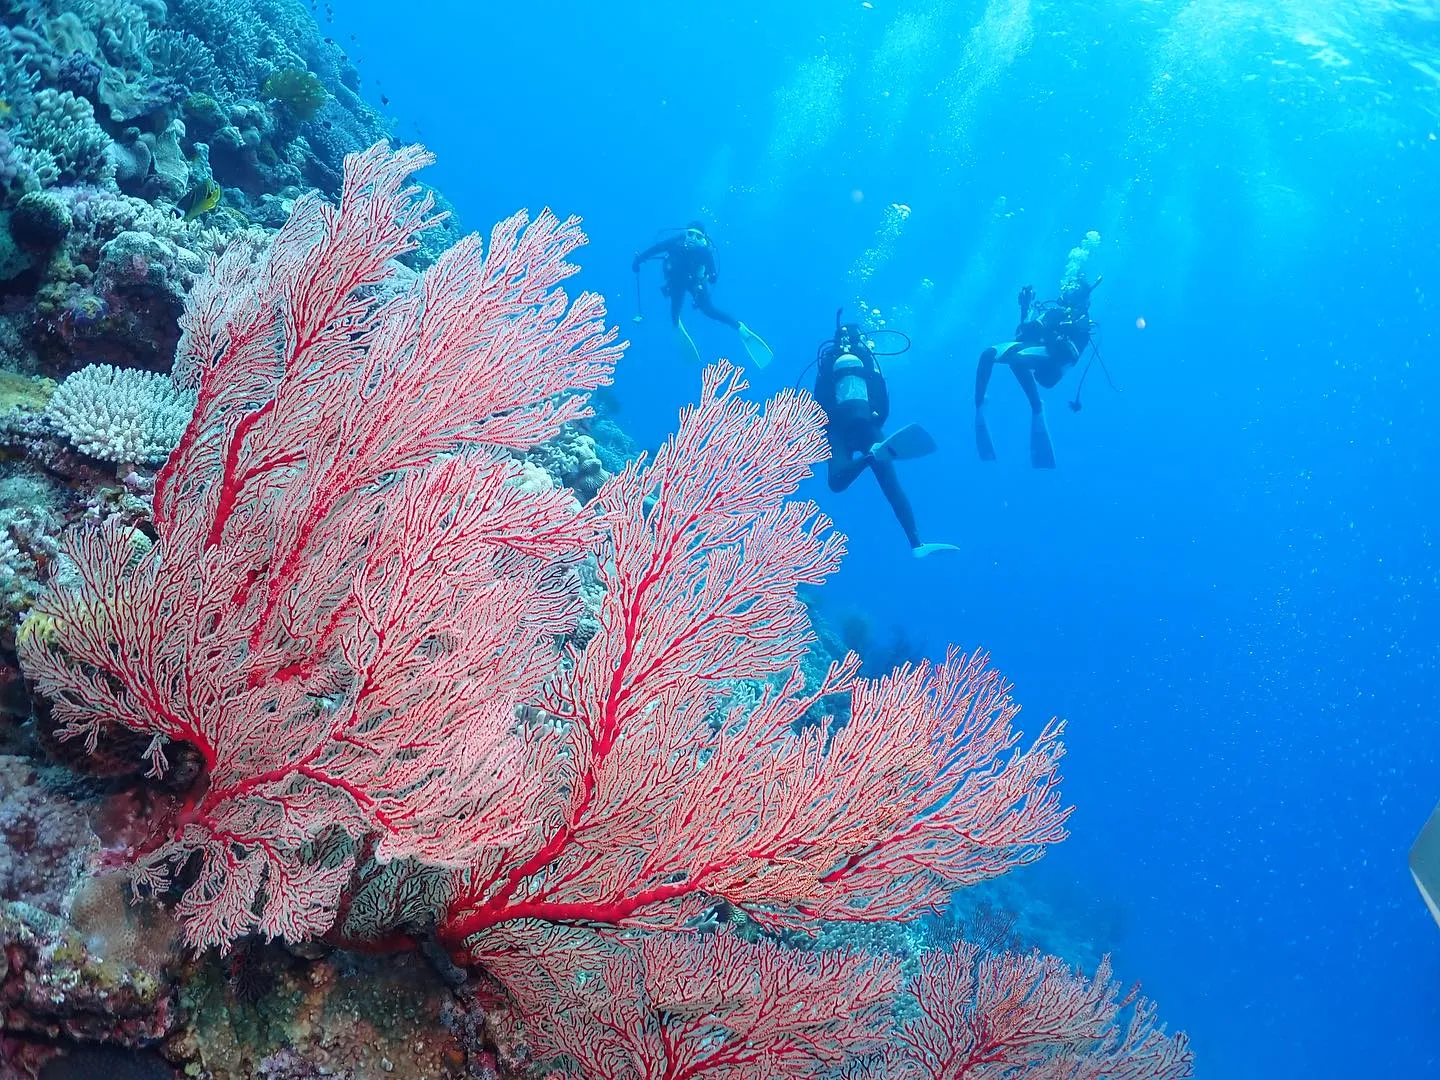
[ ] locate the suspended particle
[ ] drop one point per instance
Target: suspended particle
(1140, 323)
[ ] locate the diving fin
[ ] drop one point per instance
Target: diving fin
(755, 345)
(1425, 863)
(1042, 453)
(920, 551)
(911, 441)
(687, 343)
(983, 445)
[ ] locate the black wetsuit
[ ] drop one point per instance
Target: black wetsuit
(689, 268)
(852, 392)
(1065, 334)
(1062, 331)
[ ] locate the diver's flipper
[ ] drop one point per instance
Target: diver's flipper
(923, 550)
(1425, 863)
(911, 441)
(1042, 453)
(760, 353)
(688, 351)
(983, 445)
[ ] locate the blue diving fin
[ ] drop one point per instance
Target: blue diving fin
(911, 441)
(760, 353)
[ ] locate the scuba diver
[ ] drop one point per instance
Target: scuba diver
(690, 268)
(1051, 338)
(851, 389)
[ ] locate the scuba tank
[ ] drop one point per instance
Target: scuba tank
(851, 339)
(848, 372)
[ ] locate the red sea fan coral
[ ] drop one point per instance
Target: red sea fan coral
(655, 814)
(348, 598)
(987, 1017)
(682, 1007)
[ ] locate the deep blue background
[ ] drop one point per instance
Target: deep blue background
(1229, 585)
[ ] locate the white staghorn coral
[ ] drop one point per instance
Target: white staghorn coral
(121, 414)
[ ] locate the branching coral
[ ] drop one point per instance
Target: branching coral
(22, 168)
(17, 80)
(64, 131)
(187, 60)
(14, 569)
(121, 415)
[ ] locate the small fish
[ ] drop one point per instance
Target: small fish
(5, 109)
(200, 199)
(384, 100)
(329, 41)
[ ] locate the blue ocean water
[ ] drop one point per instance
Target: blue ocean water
(1229, 583)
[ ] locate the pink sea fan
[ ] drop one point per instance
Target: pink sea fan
(347, 599)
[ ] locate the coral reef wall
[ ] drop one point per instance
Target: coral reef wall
(137, 139)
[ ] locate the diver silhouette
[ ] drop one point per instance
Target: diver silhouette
(690, 271)
(850, 387)
(1049, 341)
